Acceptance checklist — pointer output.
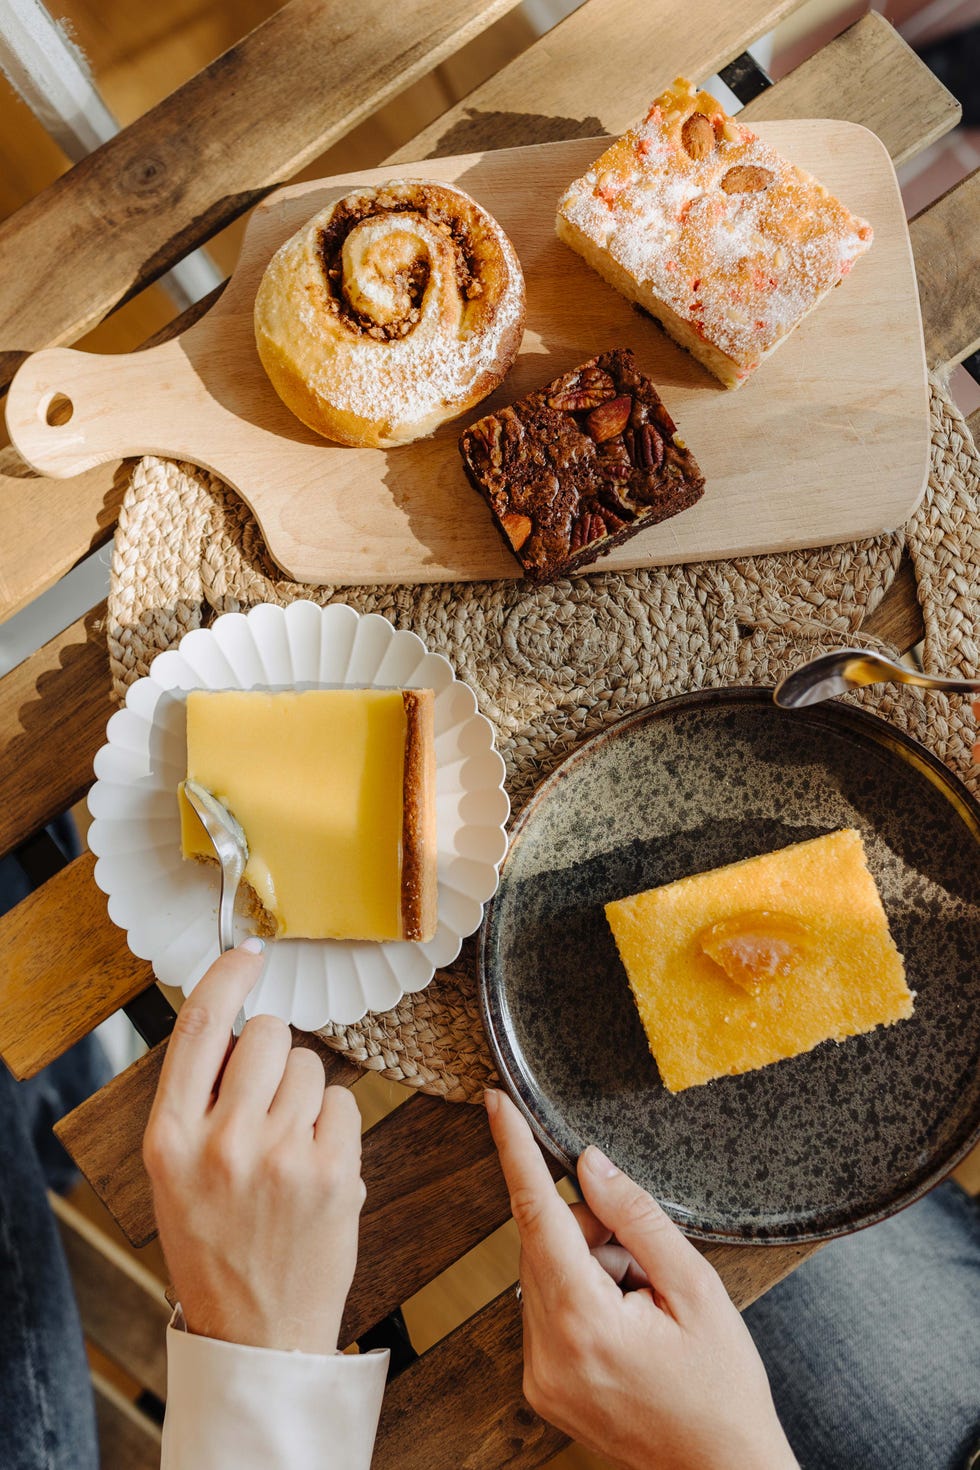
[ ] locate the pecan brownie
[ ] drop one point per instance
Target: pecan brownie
(581, 465)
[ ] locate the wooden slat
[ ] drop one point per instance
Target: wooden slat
(434, 1191)
(53, 713)
(868, 75)
(128, 1439)
(80, 513)
(967, 1174)
(946, 243)
(65, 968)
(461, 1403)
(898, 618)
(104, 1135)
(749, 1271)
(122, 1306)
(208, 152)
(584, 79)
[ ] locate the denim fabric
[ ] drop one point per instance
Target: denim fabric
(47, 1421)
(15, 883)
(55, 1091)
(873, 1346)
(83, 1070)
(47, 1416)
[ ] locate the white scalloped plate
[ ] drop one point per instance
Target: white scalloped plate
(168, 907)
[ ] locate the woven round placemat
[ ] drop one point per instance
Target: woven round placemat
(552, 665)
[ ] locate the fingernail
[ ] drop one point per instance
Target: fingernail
(490, 1100)
(253, 944)
(595, 1160)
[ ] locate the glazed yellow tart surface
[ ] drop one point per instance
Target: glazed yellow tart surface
(335, 792)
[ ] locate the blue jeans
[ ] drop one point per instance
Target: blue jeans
(873, 1346)
(47, 1416)
(47, 1420)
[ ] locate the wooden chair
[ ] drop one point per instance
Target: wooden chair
(127, 213)
(124, 1315)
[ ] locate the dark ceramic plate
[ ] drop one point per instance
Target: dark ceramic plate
(807, 1148)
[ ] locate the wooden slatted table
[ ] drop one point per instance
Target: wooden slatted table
(163, 187)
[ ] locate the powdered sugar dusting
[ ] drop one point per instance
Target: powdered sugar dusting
(741, 267)
(438, 361)
(429, 368)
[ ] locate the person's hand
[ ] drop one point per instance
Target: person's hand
(631, 1343)
(256, 1175)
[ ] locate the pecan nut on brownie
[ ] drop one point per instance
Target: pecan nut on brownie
(579, 466)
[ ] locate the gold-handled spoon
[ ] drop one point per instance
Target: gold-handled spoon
(831, 674)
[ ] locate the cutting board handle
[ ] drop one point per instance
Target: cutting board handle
(67, 411)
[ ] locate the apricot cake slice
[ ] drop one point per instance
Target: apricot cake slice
(761, 960)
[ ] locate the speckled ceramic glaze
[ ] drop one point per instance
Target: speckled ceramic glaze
(810, 1147)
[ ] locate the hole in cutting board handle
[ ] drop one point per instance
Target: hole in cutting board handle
(58, 410)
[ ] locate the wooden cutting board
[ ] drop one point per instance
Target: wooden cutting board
(828, 442)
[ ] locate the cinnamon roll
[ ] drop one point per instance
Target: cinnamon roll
(393, 310)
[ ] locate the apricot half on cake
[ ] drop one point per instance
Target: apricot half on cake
(335, 791)
(760, 960)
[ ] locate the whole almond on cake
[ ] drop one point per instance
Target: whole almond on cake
(711, 230)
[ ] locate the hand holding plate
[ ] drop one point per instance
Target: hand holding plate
(670, 1364)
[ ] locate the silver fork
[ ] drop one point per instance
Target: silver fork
(231, 849)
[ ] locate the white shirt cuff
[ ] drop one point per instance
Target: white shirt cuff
(248, 1408)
